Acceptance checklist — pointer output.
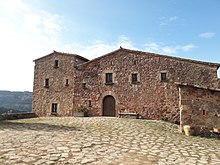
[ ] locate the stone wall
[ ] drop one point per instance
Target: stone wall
(200, 109)
(58, 91)
(151, 97)
(14, 116)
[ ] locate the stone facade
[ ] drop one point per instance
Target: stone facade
(141, 82)
(200, 109)
(61, 81)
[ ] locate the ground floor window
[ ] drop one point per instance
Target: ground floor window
(54, 108)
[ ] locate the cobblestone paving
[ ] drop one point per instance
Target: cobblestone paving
(99, 140)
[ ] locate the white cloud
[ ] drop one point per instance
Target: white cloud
(26, 34)
(164, 49)
(207, 35)
(187, 47)
(174, 18)
(97, 48)
(167, 20)
(13, 6)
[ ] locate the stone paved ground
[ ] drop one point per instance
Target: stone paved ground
(99, 140)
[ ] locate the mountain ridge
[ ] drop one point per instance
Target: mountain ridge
(15, 101)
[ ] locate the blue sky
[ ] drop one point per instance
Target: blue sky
(91, 28)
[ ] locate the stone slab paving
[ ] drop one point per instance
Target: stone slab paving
(101, 140)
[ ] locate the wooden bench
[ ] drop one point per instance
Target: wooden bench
(129, 115)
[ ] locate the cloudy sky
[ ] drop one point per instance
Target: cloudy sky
(91, 28)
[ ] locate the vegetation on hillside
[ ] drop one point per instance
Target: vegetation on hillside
(15, 101)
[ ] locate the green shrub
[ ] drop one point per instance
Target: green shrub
(81, 109)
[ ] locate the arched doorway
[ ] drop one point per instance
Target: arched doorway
(108, 106)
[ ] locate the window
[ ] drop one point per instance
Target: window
(134, 78)
(46, 83)
(67, 82)
(90, 103)
(54, 108)
(84, 85)
(163, 76)
(108, 78)
(56, 64)
(135, 62)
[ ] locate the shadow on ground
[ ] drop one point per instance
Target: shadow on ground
(19, 126)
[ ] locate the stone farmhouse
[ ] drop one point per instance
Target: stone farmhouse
(151, 85)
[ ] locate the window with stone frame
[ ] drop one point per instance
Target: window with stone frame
(108, 78)
(134, 78)
(54, 108)
(56, 64)
(46, 85)
(163, 76)
(84, 85)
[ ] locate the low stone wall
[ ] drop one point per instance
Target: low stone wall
(200, 110)
(14, 116)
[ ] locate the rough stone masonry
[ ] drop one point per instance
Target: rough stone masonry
(121, 81)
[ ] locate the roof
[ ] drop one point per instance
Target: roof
(131, 51)
(197, 86)
(64, 54)
(153, 55)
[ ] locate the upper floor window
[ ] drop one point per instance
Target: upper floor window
(135, 62)
(90, 103)
(108, 78)
(46, 83)
(134, 77)
(84, 85)
(67, 82)
(56, 64)
(163, 76)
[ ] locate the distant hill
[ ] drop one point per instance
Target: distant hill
(15, 101)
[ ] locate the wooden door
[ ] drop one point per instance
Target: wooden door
(108, 106)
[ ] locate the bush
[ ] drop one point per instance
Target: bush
(164, 118)
(81, 109)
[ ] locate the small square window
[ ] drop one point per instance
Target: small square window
(163, 76)
(67, 82)
(134, 78)
(84, 85)
(108, 78)
(56, 64)
(54, 108)
(46, 85)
